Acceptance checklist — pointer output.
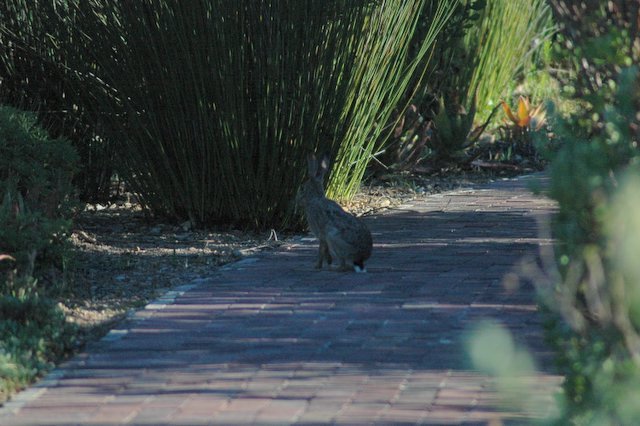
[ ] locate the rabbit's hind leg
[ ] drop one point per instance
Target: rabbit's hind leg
(323, 254)
(345, 266)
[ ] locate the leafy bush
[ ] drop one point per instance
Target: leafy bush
(37, 203)
(37, 196)
(452, 130)
(34, 74)
(33, 335)
(595, 297)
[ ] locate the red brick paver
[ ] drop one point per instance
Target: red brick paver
(270, 340)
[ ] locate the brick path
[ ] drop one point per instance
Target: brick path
(269, 340)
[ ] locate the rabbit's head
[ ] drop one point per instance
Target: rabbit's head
(313, 186)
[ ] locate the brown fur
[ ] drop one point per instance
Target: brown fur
(343, 237)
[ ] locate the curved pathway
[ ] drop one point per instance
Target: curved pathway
(270, 340)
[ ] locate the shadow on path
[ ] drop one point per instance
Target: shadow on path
(271, 340)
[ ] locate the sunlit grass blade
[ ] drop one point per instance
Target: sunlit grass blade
(507, 35)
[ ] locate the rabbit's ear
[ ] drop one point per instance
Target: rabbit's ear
(323, 168)
(312, 163)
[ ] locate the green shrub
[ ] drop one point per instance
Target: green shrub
(452, 130)
(35, 211)
(33, 336)
(37, 197)
(34, 165)
(34, 76)
(594, 177)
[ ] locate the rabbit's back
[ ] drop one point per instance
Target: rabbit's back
(348, 237)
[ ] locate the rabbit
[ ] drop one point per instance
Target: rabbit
(342, 236)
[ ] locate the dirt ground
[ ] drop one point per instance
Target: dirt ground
(122, 260)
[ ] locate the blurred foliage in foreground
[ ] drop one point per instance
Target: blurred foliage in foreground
(493, 351)
(594, 296)
(590, 286)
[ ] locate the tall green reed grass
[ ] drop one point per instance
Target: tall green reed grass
(501, 45)
(214, 104)
(385, 68)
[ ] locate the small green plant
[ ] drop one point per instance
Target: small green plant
(452, 130)
(521, 127)
(33, 164)
(33, 336)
